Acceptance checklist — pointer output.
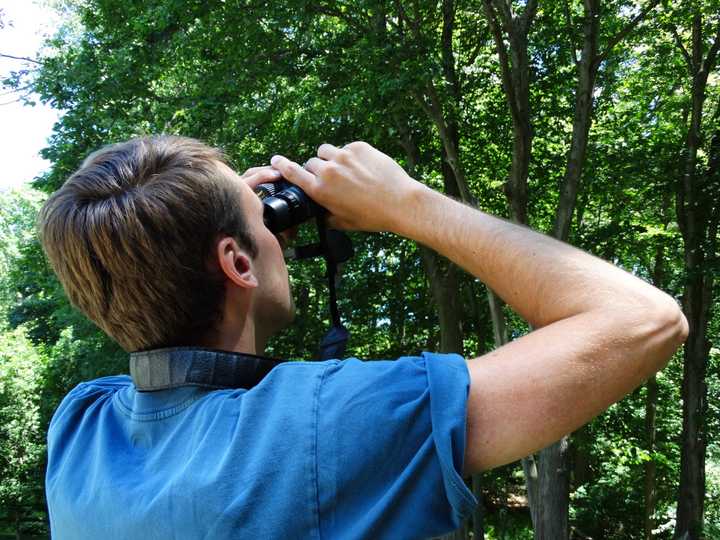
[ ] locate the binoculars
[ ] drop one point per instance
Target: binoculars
(285, 205)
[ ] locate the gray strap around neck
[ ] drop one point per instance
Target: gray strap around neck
(162, 369)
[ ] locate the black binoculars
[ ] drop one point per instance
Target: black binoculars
(285, 205)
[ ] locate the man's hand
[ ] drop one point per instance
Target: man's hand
(362, 188)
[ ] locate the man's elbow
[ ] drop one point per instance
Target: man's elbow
(672, 328)
(681, 328)
(674, 320)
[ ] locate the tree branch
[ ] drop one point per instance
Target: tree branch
(712, 53)
(569, 23)
(429, 109)
(504, 11)
(25, 58)
(16, 90)
(503, 56)
(629, 27)
(448, 57)
(528, 15)
(683, 50)
(474, 54)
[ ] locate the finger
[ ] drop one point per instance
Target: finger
(294, 173)
(262, 176)
(357, 146)
(327, 151)
(250, 171)
(253, 170)
(315, 165)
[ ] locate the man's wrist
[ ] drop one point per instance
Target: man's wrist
(422, 217)
(412, 216)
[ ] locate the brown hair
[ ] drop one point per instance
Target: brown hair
(130, 235)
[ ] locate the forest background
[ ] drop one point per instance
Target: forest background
(597, 122)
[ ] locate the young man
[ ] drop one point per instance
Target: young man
(163, 245)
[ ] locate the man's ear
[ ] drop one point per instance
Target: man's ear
(235, 263)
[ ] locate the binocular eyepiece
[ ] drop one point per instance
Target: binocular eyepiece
(285, 205)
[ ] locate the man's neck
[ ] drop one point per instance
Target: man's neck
(238, 336)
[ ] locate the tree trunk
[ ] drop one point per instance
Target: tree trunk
(553, 492)
(697, 217)
(444, 283)
(516, 85)
(586, 73)
(692, 461)
(650, 490)
(650, 481)
(446, 295)
(479, 512)
(554, 463)
(554, 475)
(18, 525)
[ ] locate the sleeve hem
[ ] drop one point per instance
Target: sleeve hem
(449, 380)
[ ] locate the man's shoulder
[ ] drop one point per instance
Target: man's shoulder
(391, 368)
(95, 388)
(83, 397)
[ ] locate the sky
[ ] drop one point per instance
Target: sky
(23, 129)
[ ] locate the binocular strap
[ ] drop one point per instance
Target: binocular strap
(162, 369)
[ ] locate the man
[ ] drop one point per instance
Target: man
(163, 245)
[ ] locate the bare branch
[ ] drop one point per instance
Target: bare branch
(420, 99)
(629, 27)
(474, 54)
(490, 14)
(713, 52)
(15, 90)
(683, 50)
(25, 58)
(448, 57)
(504, 11)
(528, 15)
(569, 23)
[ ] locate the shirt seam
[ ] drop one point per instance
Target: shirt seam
(155, 415)
(316, 406)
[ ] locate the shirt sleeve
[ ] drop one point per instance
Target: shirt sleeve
(390, 447)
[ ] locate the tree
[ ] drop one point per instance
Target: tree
(699, 225)
(458, 91)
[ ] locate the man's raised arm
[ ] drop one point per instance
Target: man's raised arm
(601, 331)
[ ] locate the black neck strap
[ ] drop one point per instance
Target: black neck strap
(162, 369)
(335, 340)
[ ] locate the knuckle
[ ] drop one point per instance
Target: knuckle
(343, 156)
(331, 168)
(291, 167)
(356, 145)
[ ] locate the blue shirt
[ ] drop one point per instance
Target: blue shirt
(323, 450)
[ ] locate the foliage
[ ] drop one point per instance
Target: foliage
(258, 79)
(22, 430)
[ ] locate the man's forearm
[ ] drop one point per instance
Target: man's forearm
(544, 280)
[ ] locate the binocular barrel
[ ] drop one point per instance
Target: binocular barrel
(285, 205)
